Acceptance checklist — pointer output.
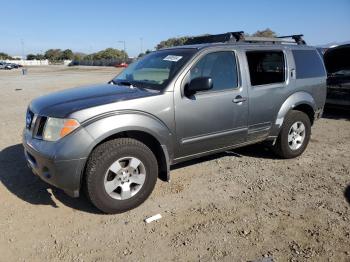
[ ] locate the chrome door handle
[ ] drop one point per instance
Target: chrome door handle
(239, 99)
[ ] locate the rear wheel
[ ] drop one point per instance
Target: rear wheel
(294, 135)
(120, 175)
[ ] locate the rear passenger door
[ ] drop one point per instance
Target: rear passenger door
(268, 74)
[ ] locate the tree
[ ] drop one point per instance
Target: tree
(145, 53)
(89, 57)
(40, 57)
(53, 54)
(110, 53)
(35, 57)
(4, 56)
(67, 55)
(175, 41)
(31, 57)
(78, 56)
(265, 33)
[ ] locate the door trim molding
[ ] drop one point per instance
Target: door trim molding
(209, 152)
(195, 139)
(261, 127)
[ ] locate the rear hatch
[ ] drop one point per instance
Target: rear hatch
(337, 62)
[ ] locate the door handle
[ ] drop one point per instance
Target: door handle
(239, 99)
(292, 73)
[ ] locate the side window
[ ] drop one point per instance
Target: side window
(220, 66)
(308, 64)
(266, 67)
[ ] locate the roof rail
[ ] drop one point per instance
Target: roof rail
(297, 38)
(238, 36)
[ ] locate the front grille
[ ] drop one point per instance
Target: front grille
(39, 126)
(35, 123)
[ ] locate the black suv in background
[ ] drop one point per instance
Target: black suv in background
(337, 62)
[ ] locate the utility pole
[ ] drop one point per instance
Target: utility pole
(141, 45)
(22, 46)
(123, 42)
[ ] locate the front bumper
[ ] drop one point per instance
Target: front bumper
(41, 157)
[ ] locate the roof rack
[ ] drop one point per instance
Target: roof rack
(297, 38)
(229, 37)
(239, 36)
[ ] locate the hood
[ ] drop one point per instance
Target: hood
(337, 58)
(61, 104)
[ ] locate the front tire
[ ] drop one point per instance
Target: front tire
(120, 175)
(294, 135)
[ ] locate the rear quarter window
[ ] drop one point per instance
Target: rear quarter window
(308, 64)
(266, 67)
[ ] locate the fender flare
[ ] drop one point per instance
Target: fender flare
(102, 127)
(294, 100)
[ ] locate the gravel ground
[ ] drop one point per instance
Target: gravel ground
(241, 205)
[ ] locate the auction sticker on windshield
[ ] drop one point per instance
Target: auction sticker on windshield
(172, 58)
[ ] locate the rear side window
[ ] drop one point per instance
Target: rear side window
(308, 64)
(220, 66)
(266, 67)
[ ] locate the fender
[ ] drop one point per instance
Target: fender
(294, 100)
(105, 125)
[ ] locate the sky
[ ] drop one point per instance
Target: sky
(33, 26)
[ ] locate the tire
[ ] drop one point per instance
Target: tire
(286, 147)
(105, 166)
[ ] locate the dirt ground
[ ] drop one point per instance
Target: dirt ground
(242, 205)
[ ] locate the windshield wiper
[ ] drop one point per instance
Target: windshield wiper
(130, 84)
(123, 83)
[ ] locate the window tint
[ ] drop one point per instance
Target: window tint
(308, 64)
(220, 66)
(266, 67)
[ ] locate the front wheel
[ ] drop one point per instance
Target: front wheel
(294, 135)
(120, 175)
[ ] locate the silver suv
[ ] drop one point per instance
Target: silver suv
(216, 93)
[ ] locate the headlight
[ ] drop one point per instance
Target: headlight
(56, 128)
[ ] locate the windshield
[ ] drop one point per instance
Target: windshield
(156, 69)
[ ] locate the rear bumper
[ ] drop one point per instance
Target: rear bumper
(63, 174)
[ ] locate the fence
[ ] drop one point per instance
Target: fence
(29, 62)
(100, 62)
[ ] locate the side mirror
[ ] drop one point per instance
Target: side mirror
(199, 84)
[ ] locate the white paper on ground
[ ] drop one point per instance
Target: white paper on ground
(153, 218)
